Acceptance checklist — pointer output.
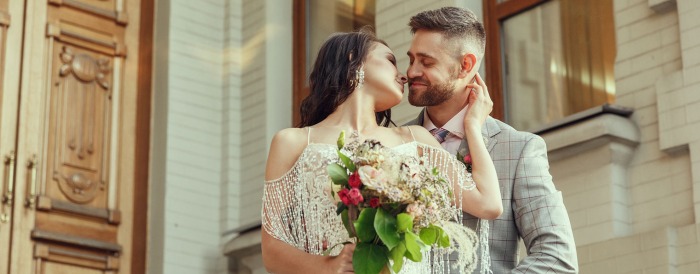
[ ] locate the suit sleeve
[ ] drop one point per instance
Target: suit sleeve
(540, 215)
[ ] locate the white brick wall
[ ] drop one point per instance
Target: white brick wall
(193, 170)
(232, 96)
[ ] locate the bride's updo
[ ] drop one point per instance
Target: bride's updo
(331, 80)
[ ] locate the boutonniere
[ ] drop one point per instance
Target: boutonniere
(465, 158)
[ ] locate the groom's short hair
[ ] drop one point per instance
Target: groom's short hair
(455, 24)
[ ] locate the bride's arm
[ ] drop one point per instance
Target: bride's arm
(483, 170)
(279, 256)
(484, 174)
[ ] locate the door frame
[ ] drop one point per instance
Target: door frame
(143, 136)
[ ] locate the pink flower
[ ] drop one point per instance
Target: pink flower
(354, 180)
(354, 196)
(343, 194)
(374, 202)
(468, 158)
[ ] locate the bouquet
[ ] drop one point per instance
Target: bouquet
(394, 205)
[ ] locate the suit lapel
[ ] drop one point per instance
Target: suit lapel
(488, 131)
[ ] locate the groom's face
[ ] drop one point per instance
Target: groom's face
(432, 70)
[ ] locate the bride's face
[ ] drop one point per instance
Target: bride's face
(382, 79)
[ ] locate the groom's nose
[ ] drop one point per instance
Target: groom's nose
(413, 72)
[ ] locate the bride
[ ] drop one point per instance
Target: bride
(354, 84)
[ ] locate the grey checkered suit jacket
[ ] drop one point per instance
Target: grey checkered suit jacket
(532, 208)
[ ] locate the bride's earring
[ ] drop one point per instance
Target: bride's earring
(360, 77)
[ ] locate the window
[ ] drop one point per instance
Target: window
(314, 21)
(548, 59)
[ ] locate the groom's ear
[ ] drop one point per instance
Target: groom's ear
(467, 64)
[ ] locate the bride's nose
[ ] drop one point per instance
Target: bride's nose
(403, 79)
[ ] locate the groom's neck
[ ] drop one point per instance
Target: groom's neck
(442, 113)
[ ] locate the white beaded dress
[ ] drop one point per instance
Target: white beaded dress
(299, 209)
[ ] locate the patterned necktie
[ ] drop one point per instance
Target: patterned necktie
(439, 134)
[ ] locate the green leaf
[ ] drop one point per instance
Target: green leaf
(365, 225)
(338, 174)
(404, 222)
(341, 139)
(347, 162)
(444, 240)
(429, 235)
(385, 224)
(341, 207)
(369, 258)
(412, 247)
(397, 254)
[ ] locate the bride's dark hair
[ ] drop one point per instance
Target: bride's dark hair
(331, 80)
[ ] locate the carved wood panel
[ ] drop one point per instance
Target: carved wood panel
(72, 78)
(77, 219)
(79, 126)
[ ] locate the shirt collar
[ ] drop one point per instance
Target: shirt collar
(455, 125)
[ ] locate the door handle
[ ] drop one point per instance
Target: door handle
(31, 165)
(10, 164)
(7, 197)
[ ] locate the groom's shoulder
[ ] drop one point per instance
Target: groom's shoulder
(509, 132)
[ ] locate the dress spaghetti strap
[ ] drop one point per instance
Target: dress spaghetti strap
(411, 131)
(308, 136)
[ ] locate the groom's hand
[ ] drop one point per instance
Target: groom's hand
(343, 262)
(480, 104)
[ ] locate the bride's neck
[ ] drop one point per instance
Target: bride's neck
(355, 113)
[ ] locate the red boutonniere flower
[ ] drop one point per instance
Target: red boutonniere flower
(466, 159)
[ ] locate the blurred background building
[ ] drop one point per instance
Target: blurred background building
(135, 133)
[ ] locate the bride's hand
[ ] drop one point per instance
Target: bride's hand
(480, 104)
(343, 262)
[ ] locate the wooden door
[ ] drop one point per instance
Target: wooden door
(11, 17)
(73, 161)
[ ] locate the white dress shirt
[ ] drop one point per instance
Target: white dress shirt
(455, 126)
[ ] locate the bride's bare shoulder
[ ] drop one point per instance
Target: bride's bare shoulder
(286, 146)
(420, 134)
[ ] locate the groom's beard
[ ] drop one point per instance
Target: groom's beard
(433, 95)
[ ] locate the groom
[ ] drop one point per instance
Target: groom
(445, 54)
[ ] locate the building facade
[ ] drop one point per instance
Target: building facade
(628, 164)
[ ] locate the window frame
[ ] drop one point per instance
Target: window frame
(494, 14)
(299, 88)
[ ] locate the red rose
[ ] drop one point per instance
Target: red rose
(354, 180)
(374, 202)
(355, 197)
(343, 194)
(468, 158)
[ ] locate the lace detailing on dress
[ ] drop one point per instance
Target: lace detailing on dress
(300, 210)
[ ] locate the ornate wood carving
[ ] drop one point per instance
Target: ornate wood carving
(81, 112)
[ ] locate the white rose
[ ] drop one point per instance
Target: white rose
(372, 178)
